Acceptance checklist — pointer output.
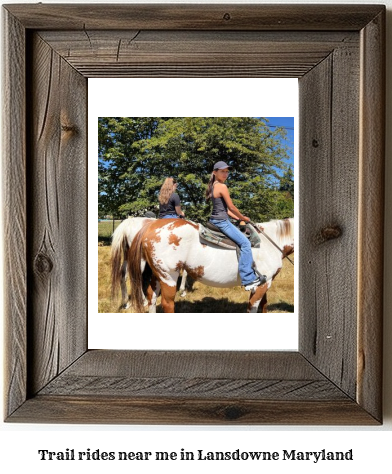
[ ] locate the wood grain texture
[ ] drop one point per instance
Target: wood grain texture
(14, 211)
(195, 53)
(371, 216)
(157, 387)
(188, 387)
(195, 17)
(57, 215)
(338, 52)
(103, 409)
(208, 364)
(208, 375)
(329, 98)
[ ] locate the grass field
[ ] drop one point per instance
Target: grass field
(201, 298)
(105, 231)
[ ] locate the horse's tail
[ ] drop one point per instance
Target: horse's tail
(119, 251)
(135, 270)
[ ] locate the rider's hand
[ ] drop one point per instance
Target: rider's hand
(246, 219)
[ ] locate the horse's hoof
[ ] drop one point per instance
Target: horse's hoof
(183, 294)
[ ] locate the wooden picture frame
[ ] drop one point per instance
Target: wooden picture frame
(338, 54)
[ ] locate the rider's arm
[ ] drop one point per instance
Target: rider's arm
(231, 214)
(177, 204)
(222, 191)
(179, 211)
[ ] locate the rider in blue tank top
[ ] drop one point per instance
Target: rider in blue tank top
(222, 209)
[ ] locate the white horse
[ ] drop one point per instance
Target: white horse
(171, 246)
(121, 242)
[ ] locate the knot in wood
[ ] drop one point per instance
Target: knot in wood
(43, 264)
(232, 413)
(315, 143)
(68, 128)
(328, 233)
(227, 16)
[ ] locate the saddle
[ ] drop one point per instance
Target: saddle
(211, 233)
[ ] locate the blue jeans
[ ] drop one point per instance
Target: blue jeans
(245, 270)
(170, 216)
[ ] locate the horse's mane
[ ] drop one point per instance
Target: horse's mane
(285, 228)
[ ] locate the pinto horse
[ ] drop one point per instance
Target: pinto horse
(121, 242)
(170, 246)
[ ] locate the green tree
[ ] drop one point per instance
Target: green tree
(284, 203)
(287, 182)
(137, 154)
(118, 174)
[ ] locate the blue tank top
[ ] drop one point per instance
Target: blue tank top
(219, 208)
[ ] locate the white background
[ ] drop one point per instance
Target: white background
(371, 445)
(202, 98)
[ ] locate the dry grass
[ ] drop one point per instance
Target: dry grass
(201, 298)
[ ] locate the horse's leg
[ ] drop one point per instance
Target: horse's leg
(256, 297)
(183, 282)
(168, 293)
(152, 294)
(263, 304)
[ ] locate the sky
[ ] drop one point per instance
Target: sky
(288, 124)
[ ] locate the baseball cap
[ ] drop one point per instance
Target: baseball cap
(221, 165)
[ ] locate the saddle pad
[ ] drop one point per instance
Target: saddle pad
(220, 239)
(216, 238)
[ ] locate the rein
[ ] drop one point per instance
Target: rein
(260, 231)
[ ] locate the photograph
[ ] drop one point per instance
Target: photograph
(196, 212)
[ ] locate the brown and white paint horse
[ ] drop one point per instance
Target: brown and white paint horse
(170, 246)
(121, 242)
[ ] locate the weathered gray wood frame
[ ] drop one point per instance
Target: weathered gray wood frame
(337, 52)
